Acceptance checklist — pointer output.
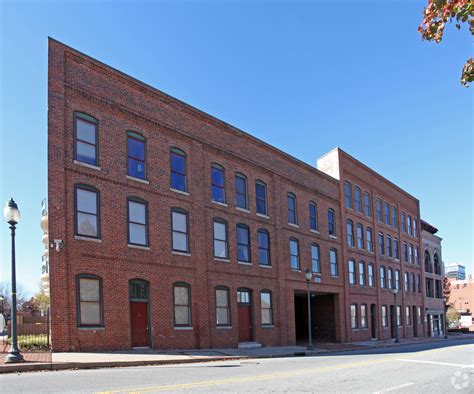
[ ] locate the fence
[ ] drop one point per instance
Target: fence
(33, 334)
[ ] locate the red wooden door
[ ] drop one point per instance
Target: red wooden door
(244, 323)
(139, 323)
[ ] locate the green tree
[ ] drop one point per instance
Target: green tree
(452, 315)
(437, 15)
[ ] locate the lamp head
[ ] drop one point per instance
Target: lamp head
(308, 274)
(395, 291)
(11, 213)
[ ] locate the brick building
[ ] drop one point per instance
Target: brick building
(181, 231)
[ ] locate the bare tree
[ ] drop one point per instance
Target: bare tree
(21, 296)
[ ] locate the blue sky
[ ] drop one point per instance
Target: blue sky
(303, 76)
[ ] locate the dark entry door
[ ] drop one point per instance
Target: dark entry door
(415, 322)
(245, 326)
(373, 321)
(139, 323)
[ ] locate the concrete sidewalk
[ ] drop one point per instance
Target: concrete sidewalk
(83, 360)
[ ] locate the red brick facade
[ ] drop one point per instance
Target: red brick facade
(121, 104)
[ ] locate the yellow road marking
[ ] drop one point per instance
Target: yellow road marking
(268, 376)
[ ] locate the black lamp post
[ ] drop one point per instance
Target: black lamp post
(395, 292)
(308, 276)
(12, 216)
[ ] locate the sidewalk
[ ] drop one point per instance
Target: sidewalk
(82, 360)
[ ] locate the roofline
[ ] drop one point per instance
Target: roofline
(204, 114)
(367, 168)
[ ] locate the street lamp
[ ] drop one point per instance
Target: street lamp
(11, 214)
(308, 276)
(395, 292)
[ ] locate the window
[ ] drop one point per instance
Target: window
(363, 316)
(370, 244)
(315, 258)
(90, 306)
(137, 222)
(136, 155)
(180, 235)
(381, 244)
(357, 199)
(417, 257)
(348, 194)
(415, 228)
(437, 265)
(389, 246)
(419, 315)
(390, 278)
(387, 213)
(384, 316)
(263, 247)
(367, 204)
(138, 290)
(371, 272)
(428, 267)
(383, 283)
(221, 249)
(218, 183)
(378, 206)
(266, 307)
(241, 199)
(362, 281)
(313, 216)
(399, 315)
(396, 248)
(87, 211)
(413, 283)
(409, 227)
(360, 236)
(350, 232)
(410, 253)
(333, 262)
(243, 243)
(404, 225)
(222, 306)
(294, 254)
(331, 222)
(405, 251)
(407, 281)
(354, 320)
(182, 305)
(85, 135)
(352, 280)
(418, 283)
(394, 217)
(178, 170)
(397, 279)
(261, 197)
(408, 315)
(438, 289)
(292, 216)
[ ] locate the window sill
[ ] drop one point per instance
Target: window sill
(332, 236)
(91, 328)
(264, 266)
(132, 178)
(335, 276)
(92, 167)
(179, 191)
(244, 262)
(293, 225)
(224, 327)
(267, 326)
(184, 328)
(181, 253)
(314, 231)
(222, 204)
(138, 247)
(261, 215)
(222, 260)
(81, 238)
(295, 270)
(242, 209)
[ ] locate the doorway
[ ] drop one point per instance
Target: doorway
(415, 322)
(373, 321)
(139, 313)
(244, 305)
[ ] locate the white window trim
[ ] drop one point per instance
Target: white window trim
(141, 247)
(132, 178)
(263, 216)
(91, 166)
(223, 204)
(242, 209)
(81, 238)
(179, 191)
(175, 252)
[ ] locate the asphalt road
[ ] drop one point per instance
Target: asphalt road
(434, 368)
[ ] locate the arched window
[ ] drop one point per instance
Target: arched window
(331, 222)
(383, 283)
(266, 307)
(294, 254)
(263, 247)
(352, 274)
(89, 299)
(182, 304)
(360, 236)
(178, 178)
(86, 129)
(357, 199)
(313, 216)
(261, 197)
(87, 211)
(367, 204)
(348, 194)
(437, 265)
(179, 230)
(241, 198)
(315, 258)
(218, 183)
(362, 277)
(221, 245)
(292, 214)
(427, 262)
(243, 243)
(137, 213)
(222, 306)
(350, 232)
(136, 155)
